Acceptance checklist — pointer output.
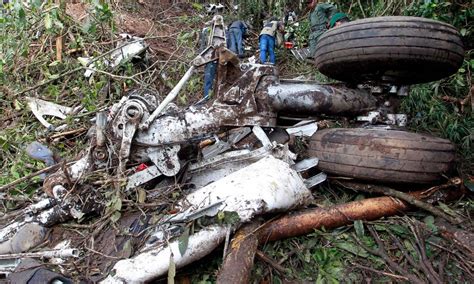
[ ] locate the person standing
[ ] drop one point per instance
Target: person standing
(267, 40)
(237, 31)
(319, 18)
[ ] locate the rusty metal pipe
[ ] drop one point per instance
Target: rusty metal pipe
(310, 99)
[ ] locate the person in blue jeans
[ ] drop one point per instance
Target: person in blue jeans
(267, 40)
(236, 33)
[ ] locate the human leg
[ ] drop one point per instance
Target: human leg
(271, 49)
(209, 75)
(233, 41)
(263, 48)
(239, 43)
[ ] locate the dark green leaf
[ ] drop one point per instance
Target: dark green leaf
(469, 184)
(430, 223)
(352, 248)
(183, 241)
(359, 228)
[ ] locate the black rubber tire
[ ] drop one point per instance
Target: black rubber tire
(397, 50)
(382, 155)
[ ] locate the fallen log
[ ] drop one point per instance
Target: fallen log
(239, 261)
(305, 221)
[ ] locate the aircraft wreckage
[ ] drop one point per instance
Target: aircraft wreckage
(231, 154)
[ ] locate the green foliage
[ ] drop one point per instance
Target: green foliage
(28, 57)
(101, 15)
(425, 105)
(302, 33)
(456, 13)
(12, 145)
(430, 114)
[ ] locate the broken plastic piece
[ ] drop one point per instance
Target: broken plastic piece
(41, 108)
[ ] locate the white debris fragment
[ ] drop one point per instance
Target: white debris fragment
(149, 265)
(127, 51)
(304, 128)
(41, 108)
(265, 186)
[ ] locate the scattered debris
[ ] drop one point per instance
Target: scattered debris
(227, 165)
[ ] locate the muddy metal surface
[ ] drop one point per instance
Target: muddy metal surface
(314, 99)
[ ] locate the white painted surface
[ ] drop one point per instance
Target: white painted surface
(265, 186)
(151, 264)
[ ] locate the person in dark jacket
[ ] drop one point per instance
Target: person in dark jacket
(319, 18)
(236, 33)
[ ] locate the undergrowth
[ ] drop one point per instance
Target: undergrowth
(30, 36)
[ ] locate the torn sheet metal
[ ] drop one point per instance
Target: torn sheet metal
(305, 164)
(261, 136)
(305, 128)
(127, 49)
(265, 186)
(300, 54)
(41, 108)
(142, 177)
(315, 180)
(130, 47)
(399, 119)
(374, 117)
(213, 169)
(216, 168)
(221, 146)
